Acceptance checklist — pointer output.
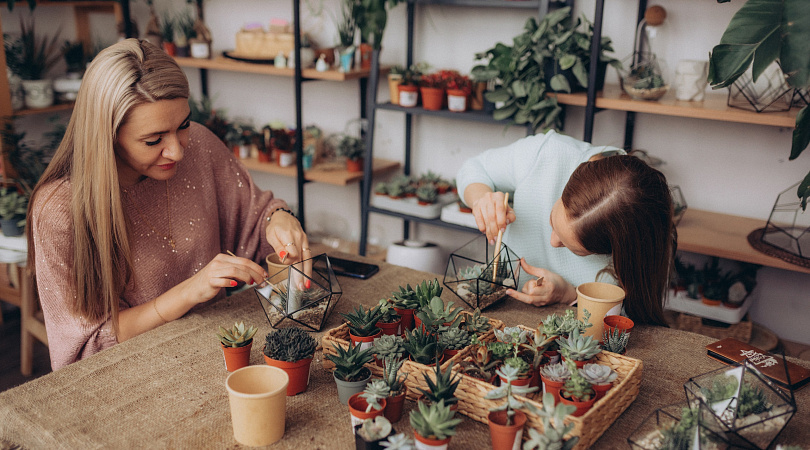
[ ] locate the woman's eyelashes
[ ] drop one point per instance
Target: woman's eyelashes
(184, 126)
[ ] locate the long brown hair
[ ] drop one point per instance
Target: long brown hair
(125, 75)
(621, 206)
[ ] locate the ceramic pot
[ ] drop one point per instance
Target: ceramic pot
(38, 93)
(393, 87)
(423, 443)
(357, 409)
(236, 357)
(297, 371)
(391, 329)
(393, 408)
(552, 387)
(407, 318)
(408, 95)
(582, 407)
(456, 100)
(347, 60)
(355, 165)
(432, 98)
(258, 404)
(348, 388)
(505, 437)
(600, 299)
(285, 159)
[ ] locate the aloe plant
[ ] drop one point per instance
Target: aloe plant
(363, 322)
(422, 346)
(442, 386)
(238, 336)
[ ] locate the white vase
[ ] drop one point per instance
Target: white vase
(38, 93)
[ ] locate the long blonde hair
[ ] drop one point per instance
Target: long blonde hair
(121, 77)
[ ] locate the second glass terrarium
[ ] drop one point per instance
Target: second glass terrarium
(302, 294)
(470, 270)
(788, 226)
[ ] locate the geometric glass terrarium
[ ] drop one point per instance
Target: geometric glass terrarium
(678, 201)
(676, 427)
(742, 403)
(291, 301)
(470, 268)
(770, 93)
(788, 226)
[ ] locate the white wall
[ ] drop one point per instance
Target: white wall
(725, 167)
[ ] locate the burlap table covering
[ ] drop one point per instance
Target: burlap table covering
(165, 388)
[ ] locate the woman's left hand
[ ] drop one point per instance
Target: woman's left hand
(547, 289)
(289, 240)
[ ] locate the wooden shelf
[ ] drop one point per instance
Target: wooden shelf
(713, 107)
(725, 236)
(505, 4)
(323, 173)
(232, 65)
(51, 109)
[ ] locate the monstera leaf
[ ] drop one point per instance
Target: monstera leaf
(761, 32)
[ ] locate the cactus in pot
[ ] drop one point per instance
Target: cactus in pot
(389, 346)
(433, 423)
(443, 385)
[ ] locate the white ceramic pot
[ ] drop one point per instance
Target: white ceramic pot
(16, 89)
(417, 255)
(67, 87)
(38, 93)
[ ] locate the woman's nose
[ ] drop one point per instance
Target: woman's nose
(174, 149)
(555, 240)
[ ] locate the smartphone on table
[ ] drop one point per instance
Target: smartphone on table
(354, 269)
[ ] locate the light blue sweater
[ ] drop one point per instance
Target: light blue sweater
(534, 170)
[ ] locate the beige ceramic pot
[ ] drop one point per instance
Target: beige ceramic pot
(600, 299)
(258, 396)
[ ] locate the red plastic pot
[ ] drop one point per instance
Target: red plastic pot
(357, 409)
(432, 98)
(618, 322)
(600, 390)
(504, 437)
(408, 95)
(297, 371)
(582, 407)
(432, 443)
(393, 408)
(391, 329)
(407, 318)
(553, 388)
(354, 165)
(236, 357)
(364, 341)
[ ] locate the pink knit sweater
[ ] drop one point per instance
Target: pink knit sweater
(214, 207)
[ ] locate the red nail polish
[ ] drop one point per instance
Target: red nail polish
(308, 284)
(282, 254)
(233, 283)
(252, 282)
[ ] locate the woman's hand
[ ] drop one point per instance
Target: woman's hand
(491, 215)
(547, 289)
(223, 271)
(288, 239)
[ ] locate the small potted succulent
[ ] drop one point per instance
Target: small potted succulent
(381, 188)
(441, 387)
(514, 336)
(436, 315)
(600, 376)
(426, 290)
(615, 341)
(554, 377)
(363, 327)
(480, 365)
(389, 321)
(350, 373)
(353, 149)
(434, 425)
(370, 434)
(236, 344)
(523, 370)
(291, 349)
(369, 403)
(432, 87)
(405, 303)
(427, 194)
(459, 88)
(13, 208)
(396, 388)
(554, 427)
(581, 349)
(38, 55)
(388, 346)
(476, 323)
(577, 390)
(453, 340)
(506, 421)
(423, 347)
(409, 86)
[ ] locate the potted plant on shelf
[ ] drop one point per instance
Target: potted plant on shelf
(409, 87)
(291, 349)
(427, 194)
(506, 421)
(422, 347)
(396, 388)
(283, 142)
(554, 427)
(441, 387)
(363, 327)
(434, 424)
(236, 344)
(576, 391)
(390, 321)
(371, 433)
(167, 27)
(346, 26)
(350, 373)
(353, 149)
(432, 86)
(381, 188)
(600, 376)
(388, 346)
(554, 377)
(615, 341)
(371, 17)
(369, 403)
(38, 54)
(453, 340)
(13, 208)
(183, 31)
(580, 349)
(459, 88)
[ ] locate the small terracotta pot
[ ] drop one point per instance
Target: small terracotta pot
(391, 329)
(524, 381)
(600, 390)
(170, 48)
(236, 357)
(450, 353)
(298, 372)
(432, 98)
(504, 437)
(407, 318)
(365, 56)
(393, 408)
(364, 341)
(408, 95)
(354, 165)
(264, 157)
(431, 443)
(357, 409)
(618, 322)
(553, 388)
(580, 364)
(711, 302)
(582, 407)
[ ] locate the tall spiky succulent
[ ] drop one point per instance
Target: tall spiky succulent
(555, 325)
(435, 421)
(578, 347)
(426, 290)
(556, 372)
(349, 362)
(375, 391)
(427, 193)
(454, 339)
(598, 373)
(615, 340)
(237, 336)
(363, 322)
(391, 376)
(422, 346)
(476, 323)
(289, 344)
(436, 314)
(554, 427)
(442, 386)
(388, 345)
(405, 298)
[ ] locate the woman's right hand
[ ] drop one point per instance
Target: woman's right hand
(223, 271)
(491, 215)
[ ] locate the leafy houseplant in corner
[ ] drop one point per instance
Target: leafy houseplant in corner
(396, 388)
(368, 404)
(371, 433)
(13, 207)
(350, 373)
(363, 327)
(433, 425)
(236, 345)
(505, 421)
(291, 349)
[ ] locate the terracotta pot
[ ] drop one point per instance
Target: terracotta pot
(600, 390)
(505, 437)
(456, 100)
(417, 323)
(580, 364)
(391, 329)
(393, 87)
(236, 357)
(732, 305)
(552, 387)
(408, 95)
(354, 165)
(364, 341)
(711, 302)
(393, 409)
(264, 157)
(534, 381)
(407, 318)
(170, 48)
(432, 444)
(464, 208)
(582, 407)
(423, 399)
(432, 98)
(298, 372)
(365, 56)
(357, 409)
(618, 322)
(449, 353)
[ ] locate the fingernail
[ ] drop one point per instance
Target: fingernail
(282, 254)
(308, 284)
(492, 242)
(252, 282)
(233, 283)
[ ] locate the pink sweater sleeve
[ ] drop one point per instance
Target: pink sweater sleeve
(70, 337)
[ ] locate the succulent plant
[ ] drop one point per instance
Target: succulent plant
(405, 298)
(615, 340)
(481, 364)
(555, 325)
(388, 345)
(375, 429)
(427, 193)
(289, 344)
(237, 336)
(426, 290)
(513, 335)
(554, 427)
(537, 343)
(576, 386)
(391, 376)
(476, 323)
(363, 322)
(374, 392)
(301, 297)
(422, 346)
(435, 421)
(396, 191)
(387, 312)
(500, 350)
(398, 442)
(471, 272)
(429, 178)
(519, 364)
(598, 373)
(508, 375)
(454, 339)
(556, 372)
(443, 386)
(349, 362)
(578, 347)
(381, 188)
(436, 314)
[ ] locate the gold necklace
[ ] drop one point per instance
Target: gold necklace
(168, 214)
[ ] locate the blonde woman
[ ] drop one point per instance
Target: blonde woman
(132, 221)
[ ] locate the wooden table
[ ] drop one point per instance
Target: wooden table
(165, 388)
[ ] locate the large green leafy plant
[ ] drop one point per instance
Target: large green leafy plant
(371, 17)
(761, 32)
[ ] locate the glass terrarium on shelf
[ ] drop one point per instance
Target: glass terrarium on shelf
(769, 93)
(742, 403)
(678, 202)
(788, 226)
(470, 269)
(298, 299)
(675, 427)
